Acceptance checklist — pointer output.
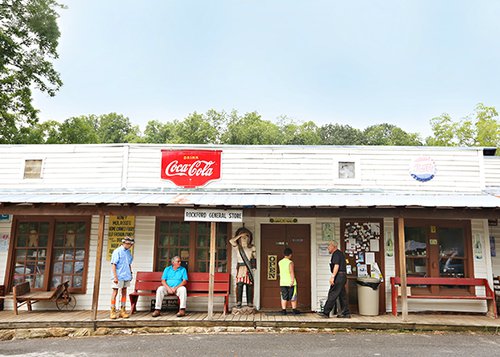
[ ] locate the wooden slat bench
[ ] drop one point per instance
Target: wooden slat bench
(490, 296)
(146, 284)
(22, 294)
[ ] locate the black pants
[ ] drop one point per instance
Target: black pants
(337, 290)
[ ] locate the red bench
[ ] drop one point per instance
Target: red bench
(146, 284)
(490, 296)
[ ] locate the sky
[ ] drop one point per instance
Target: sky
(357, 62)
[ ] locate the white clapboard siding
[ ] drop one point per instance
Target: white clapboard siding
(492, 171)
(390, 260)
(137, 166)
(64, 166)
(323, 262)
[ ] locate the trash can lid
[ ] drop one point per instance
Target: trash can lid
(369, 280)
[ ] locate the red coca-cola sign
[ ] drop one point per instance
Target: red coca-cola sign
(190, 168)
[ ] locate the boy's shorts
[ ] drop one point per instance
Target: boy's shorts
(288, 293)
(121, 284)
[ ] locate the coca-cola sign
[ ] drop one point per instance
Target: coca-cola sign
(190, 168)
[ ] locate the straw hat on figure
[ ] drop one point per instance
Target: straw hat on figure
(246, 265)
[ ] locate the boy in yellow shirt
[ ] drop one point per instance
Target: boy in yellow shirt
(288, 283)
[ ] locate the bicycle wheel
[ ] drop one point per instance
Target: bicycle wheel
(66, 302)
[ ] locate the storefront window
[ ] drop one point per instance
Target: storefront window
(174, 240)
(191, 241)
(438, 249)
(55, 249)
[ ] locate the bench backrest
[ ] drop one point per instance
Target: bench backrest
(21, 289)
(197, 282)
(411, 280)
(146, 280)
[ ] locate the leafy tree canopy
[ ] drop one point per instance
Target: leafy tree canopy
(388, 134)
(481, 128)
(336, 134)
(29, 37)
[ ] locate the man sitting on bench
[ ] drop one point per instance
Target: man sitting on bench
(173, 282)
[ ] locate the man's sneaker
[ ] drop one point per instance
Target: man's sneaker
(283, 312)
(156, 313)
(323, 315)
(296, 312)
(346, 316)
(181, 313)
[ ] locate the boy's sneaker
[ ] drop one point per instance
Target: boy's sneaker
(283, 312)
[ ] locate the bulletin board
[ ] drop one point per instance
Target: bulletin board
(362, 243)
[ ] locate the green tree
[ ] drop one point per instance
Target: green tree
(28, 41)
(481, 128)
(388, 134)
(337, 134)
(46, 132)
(250, 129)
(298, 134)
(157, 132)
(195, 129)
(116, 128)
(79, 130)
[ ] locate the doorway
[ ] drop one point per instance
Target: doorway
(274, 239)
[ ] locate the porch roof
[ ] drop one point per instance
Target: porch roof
(249, 199)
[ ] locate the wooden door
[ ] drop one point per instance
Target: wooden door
(362, 240)
(274, 239)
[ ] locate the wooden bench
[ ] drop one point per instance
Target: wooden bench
(496, 289)
(146, 284)
(22, 294)
(470, 282)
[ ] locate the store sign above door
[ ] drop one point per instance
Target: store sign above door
(213, 215)
(190, 168)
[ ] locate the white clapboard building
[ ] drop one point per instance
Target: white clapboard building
(52, 198)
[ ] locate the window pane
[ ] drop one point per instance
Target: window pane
(173, 241)
(416, 251)
(451, 252)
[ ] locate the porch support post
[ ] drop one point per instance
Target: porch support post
(98, 263)
(402, 267)
(211, 279)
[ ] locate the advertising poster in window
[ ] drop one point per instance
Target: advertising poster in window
(4, 242)
(119, 227)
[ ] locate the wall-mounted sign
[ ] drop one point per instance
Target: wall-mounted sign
(327, 231)
(272, 267)
(5, 217)
(213, 215)
(423, 169)
(118, 228)
(283, 220)
(190, 168)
